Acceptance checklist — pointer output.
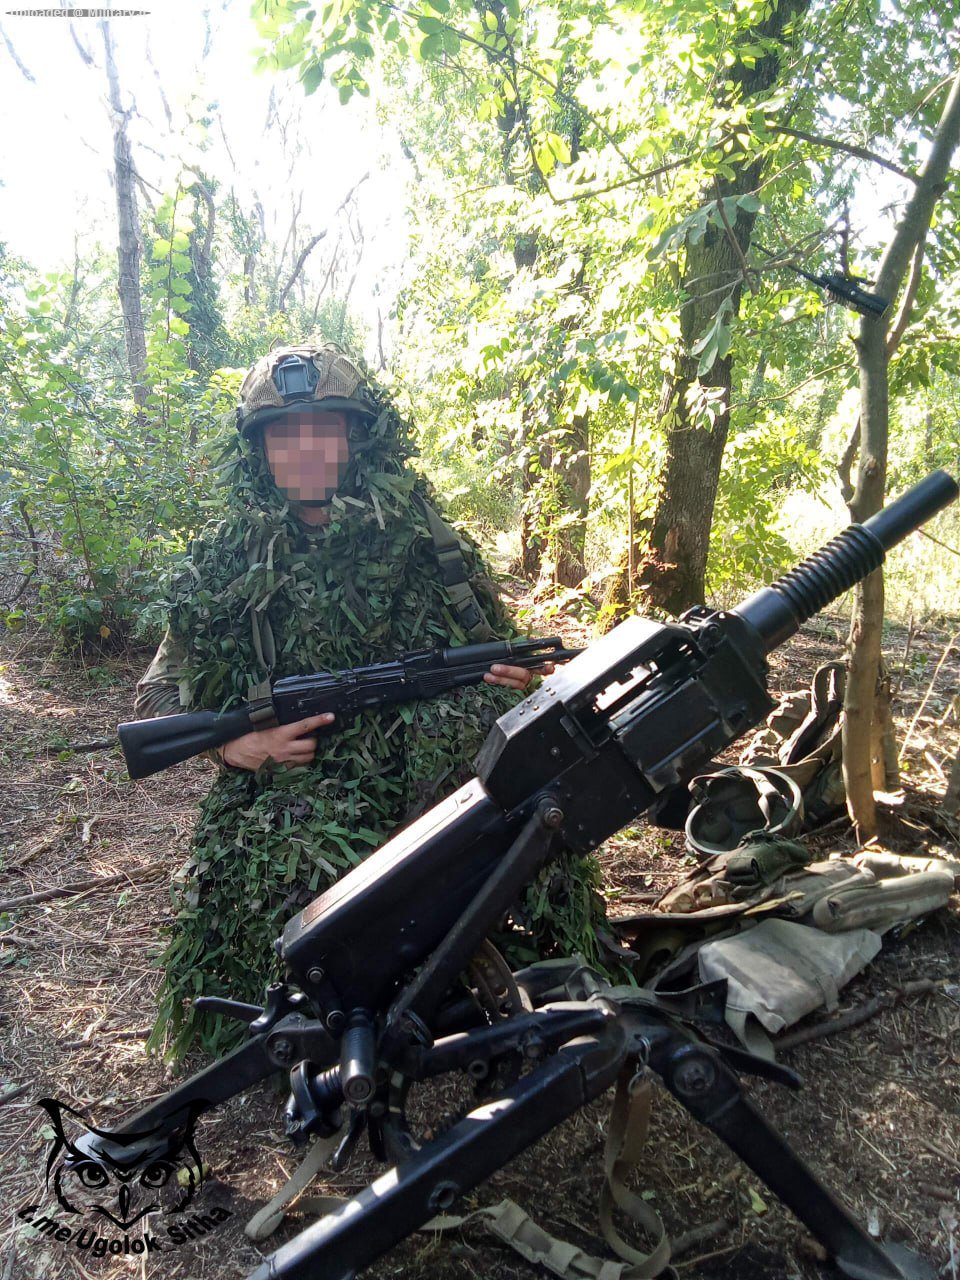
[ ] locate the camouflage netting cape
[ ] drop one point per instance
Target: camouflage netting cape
(260, 595)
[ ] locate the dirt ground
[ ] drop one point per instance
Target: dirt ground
(879, 1119)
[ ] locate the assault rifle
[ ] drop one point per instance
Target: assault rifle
(151, 745)
(373, 1002)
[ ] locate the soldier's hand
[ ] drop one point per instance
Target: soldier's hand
(516, 677)
(286, 744)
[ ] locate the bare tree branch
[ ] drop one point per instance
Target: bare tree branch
(311, 245)
(84, 52)
(223, 135)
(202, 264)
(785, 395)
(343, 309)
(298, 267)
(734, 242)
(845, 465)
(381, 357)
(163, 97)
(207, 36)
(68, 317)
(145, 192)
(27, 75)
(909, 297)
(326, 279)
(851, 149)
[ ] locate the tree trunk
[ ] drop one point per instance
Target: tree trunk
(128, 229)
(951, 801)
(571, 539)
(877, 339)
(249, 279)
(674, 568)
(675, 565)
(531, 540)
(884, 762)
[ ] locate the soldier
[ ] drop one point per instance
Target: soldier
(330, 554)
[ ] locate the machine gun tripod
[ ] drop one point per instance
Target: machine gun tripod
(373, 1002)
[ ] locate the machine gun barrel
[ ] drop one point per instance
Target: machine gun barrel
(777, 611)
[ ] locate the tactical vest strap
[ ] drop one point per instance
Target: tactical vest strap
(453, 574)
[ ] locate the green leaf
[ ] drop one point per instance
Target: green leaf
(431, 47)
(757, 1204)
(560, 147)
(311, 76)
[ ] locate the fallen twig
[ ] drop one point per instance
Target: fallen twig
(860, 1013)
(44, 845)
(17, 939)
(698, 1235)
(842, 821)
(936, 1150)
(142, 1033)
(80, 886)
(14, 1093)
(937, 1193)
(933, 680)
(934, 764)
(911, 632)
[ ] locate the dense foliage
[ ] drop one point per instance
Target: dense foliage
(567, 163)
(571, 161)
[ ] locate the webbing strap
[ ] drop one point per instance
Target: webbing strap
(453, 574)
(516, 1228)
(629, 1122)
(626, 1135)
(266, 1220)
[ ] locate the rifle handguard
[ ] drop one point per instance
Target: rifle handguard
(154, 744)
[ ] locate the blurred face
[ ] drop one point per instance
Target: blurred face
(307, 453)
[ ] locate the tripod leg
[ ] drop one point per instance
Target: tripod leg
(403, 1199)
(697, 1077)
(224, 1079)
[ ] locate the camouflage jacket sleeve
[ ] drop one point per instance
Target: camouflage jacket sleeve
(162, 692)
(159, 691)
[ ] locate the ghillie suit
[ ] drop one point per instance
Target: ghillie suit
(261, 595)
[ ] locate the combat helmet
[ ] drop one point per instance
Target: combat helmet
(286, 377)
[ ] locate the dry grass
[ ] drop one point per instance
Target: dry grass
(880, 1120)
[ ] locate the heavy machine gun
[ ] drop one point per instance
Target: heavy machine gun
(372, 1001)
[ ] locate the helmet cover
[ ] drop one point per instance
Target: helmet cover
(286, 377)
